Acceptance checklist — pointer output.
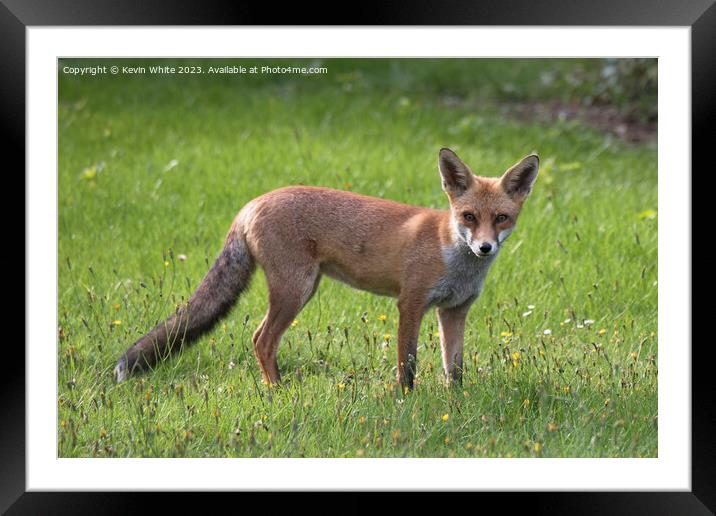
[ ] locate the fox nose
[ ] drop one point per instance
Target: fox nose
(486, 247)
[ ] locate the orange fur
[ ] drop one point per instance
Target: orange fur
(421, 256)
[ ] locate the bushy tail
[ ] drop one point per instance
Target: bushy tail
(217, 293)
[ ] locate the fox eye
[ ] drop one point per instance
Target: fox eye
(468, 216)
(501, 218)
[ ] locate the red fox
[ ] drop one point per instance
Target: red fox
(423, 257)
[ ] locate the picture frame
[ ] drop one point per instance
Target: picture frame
(16, 16)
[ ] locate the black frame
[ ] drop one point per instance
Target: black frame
(700, 15)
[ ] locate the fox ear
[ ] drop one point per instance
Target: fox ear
(457, 177)
(518, 180)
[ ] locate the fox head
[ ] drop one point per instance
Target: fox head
(484, 210)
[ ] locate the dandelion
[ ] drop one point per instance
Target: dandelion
(382, 317)
(647, 215)
(607, 401)
(118, 322)
(387, 337)
(361, 420)
(633, 355)
(166, 263)
(294, 324)
(537, 447)
(566, 389)
(468, 446)
(466, 394)
(445, 417)
(341, 386)
(506, 334)
(602, 331)
(89, 173)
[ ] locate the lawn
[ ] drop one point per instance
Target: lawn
(560, 350)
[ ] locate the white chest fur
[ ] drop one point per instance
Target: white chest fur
(463, 279)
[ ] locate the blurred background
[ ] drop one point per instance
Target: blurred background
(616, 95)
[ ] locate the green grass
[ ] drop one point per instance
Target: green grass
(154, 167)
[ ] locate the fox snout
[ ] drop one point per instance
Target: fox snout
(484, 248)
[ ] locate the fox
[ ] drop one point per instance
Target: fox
(424, 257)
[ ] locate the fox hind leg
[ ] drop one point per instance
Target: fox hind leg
(287, 297)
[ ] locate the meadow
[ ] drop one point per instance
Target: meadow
(560, 350)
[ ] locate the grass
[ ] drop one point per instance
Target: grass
(560, 350)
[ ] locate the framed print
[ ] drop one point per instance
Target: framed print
(250, 189)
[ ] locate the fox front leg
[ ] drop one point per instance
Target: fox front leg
(411, 309)
(451, 323)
